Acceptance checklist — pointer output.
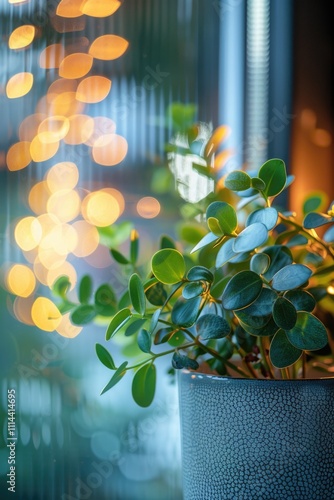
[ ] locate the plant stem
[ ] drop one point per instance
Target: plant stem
(265, 359)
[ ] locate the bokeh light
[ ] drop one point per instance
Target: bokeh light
(52, 56)
(22, 37)
(65, 204)
(45, 314)
(75, 65)
(88, 238)
(42, 150)
(18, 156)
(100, 208)
(100, 8)
(20, 280)
(93, 89)
(69, 8)
(53, 129)
(38, 197)
(108, 47)
(110, 150)
(19, 85)
(28, 233)
(61, 175)
(80, 130)
(148, 207)
(66, 327)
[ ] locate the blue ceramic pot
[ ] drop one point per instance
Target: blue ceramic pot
(256, 439)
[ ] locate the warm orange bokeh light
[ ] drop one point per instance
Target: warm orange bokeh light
(321, 137)
(100, 208)
(102, 126)
(109, 150)
(81, 129)
(100, 8)
(50, 258)
(28, 233)
(218, 136)
(148, 207)
(60, 86)
(38, 197)
(65, 104)
(45, 314)
(52, 56)
(69, 8)
(62, 175)
(93, 89)
(19, 85)
(41, 150)
(22, 37)
(20, 280)
(67, 329)
(64, 204)
(88, 238)
(53, 129)
(62, 238)
(18, 156)
(75, 65)
(108, 47)
(29, 126)
(22, 309)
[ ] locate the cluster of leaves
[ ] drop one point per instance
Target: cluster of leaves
(252, 311)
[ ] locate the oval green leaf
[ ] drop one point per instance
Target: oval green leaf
(301, 299)
(273, 174)
(267, 216)
(241, 290)
(143, 385)
(313, 220)
(258, 184)
(105, 300)
(185, 312)
(309, 333)
(82, 315)
(119, 257)
(250, 238)
(280, 256)
(144, 341)
(259, 313)
(210, 326)
(105, 357)
(137, 294)
(225, 214)
(290, 277)
(118, 321)
(282, 353)
(259, 263)
(238, 181)
(168, 266)
(208, 239)
(85, 289)
(198, 273)
(225, 253)
(284, 313)
(192, 290)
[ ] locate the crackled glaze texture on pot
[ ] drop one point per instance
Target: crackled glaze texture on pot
(257, 439)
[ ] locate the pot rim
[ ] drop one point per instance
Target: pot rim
(200, 375)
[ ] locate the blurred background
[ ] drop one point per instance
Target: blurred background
(91, 92)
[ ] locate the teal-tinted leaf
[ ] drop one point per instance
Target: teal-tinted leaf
(259, 263)
(241, 290)
(219, 285)
(166, 242)
(284, 313)
(185, 312)
(154, 320)
(301, 299)
(119, 257)
(143, 385)
(282, 353)
(144, 341)
(329, 235)
(318, 292)
(117, 376)
(258, 184)
(105, 357)
(191, 290)
(225, 214)
(105, 300)
(205, 241)
(198, 273)
(124, 300)
(134, 325)
(85, 289)
(308, 333)
(313, 220)
(258, 314)
(268, 330)
(168, 266)
(180, 361)
(244, 340)
(118, 321)
(267, 216)
(176, 339)
(82, 315)
(164, 335)
(238, 181)
(61, 286)
(137, 294)
(290, 277)
(250, 238)
(280, 256)
(225, 253)
(214, 226)
(273, 174)
(324, 271)
(134, 247)
(297, 240)
(210, 326)
(250, 194)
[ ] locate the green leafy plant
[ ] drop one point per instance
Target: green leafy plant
(250, 299)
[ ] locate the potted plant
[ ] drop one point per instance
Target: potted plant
(249, 304)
